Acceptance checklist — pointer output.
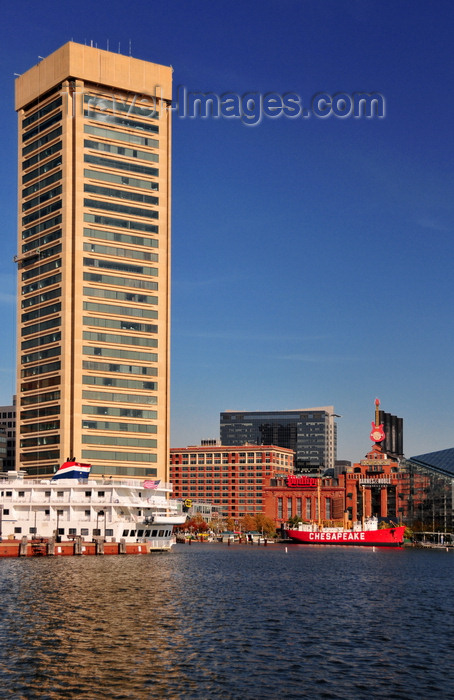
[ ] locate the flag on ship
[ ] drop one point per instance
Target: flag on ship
(150, 484)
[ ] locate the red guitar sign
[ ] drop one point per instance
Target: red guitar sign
(377, 433)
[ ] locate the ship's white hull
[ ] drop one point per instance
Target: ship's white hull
(88, 509)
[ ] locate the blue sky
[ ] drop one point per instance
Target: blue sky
(312, 258)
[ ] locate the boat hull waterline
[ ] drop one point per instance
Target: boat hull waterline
(387, 537)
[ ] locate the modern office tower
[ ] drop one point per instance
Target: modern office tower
(93, 263)
(310, 432)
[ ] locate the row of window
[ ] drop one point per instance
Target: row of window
(121, 165)
(41, 326)
(42, 411)
(121, 267)
(120, 136)
(121, 237)
(42, 240)
(41, 184)
(124, 369)
(119, 441)
(41, 255)
(40, 441)
(121, 354)
(121, 194)
(42, 169)
(41, 298)
(121, 252)
(122, 180)
(120, 457)
(120, 383)
(41, 127)
(119, 398)
(119, 281)
(120, 296)
(121, 427)
(121, 150)
(104, 104)
(96, 532)
(41, 340)
(40, 384)
(41, 355)
(44, 197)
(119, 339)
(42, 226)
(41, 311)
(120, 324)
(46, 138)
(40, 213)
(121, 121)
(120, 208)
(41, 398)
(41, 426)
(120, 223)
(121, 412)
(41, 369)
(117, 310)
(42, 112)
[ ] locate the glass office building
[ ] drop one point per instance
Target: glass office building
(311, 433)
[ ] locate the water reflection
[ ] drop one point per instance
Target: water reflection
(209, 621)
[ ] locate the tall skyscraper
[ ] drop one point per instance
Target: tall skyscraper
(94, 263)
(310, 432)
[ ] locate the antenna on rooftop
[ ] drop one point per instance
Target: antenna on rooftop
(118, 47)
(130, 47)
(107, 44)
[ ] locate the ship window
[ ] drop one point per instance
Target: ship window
(32, 530)
(154, 533)
(139, 533)
(101, 494)
(87, 494)
(87, 513)
(6, 511)
(161, 533)
(18, 530)
(96, 532)
(47, 511)
(61, 531)
(47, 494)
(9, 493)
(84, 531)
(21, 494)
(72, 531)
(147, 533)
(109, 533)
(125, 533)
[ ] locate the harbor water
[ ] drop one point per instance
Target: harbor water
(239, 622)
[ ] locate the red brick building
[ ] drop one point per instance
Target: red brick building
(373, 486)
(300, 496)
(230, 477)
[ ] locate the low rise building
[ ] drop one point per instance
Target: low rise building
(228, 477)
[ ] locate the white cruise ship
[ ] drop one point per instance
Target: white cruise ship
(71, 505)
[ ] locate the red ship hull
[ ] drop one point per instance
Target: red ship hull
(389, 537)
